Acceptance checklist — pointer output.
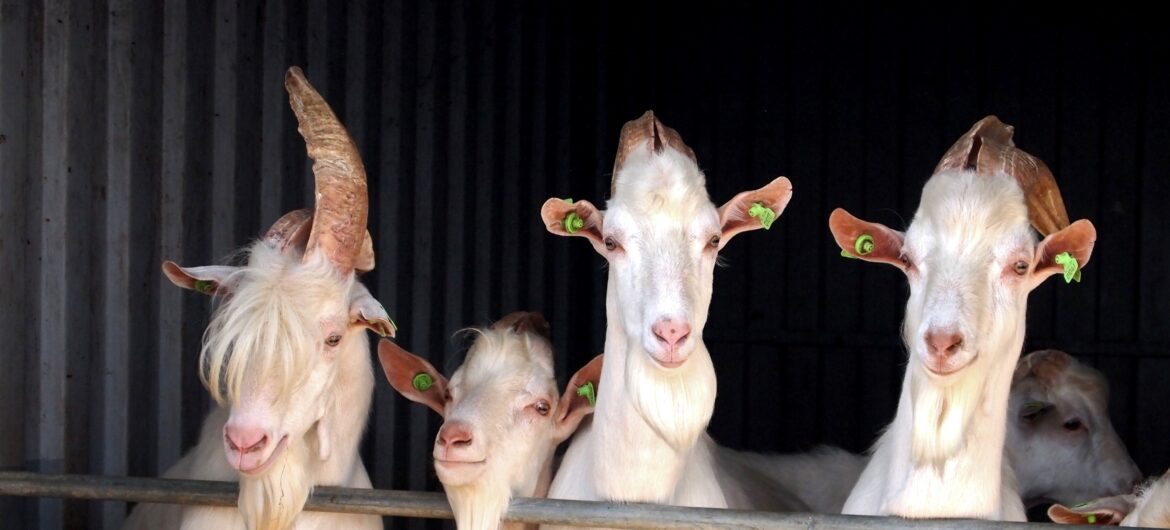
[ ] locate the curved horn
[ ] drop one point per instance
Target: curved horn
(646, 127)
(290, 231)
(339, 219)
(988, 148)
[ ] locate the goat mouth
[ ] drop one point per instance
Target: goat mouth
(260, 469)
(946, 369)
(459, 463)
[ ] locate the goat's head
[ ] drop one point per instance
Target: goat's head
(503, 416)
(286, 316)
(969, 254)
(1061, 443)
(661, 235)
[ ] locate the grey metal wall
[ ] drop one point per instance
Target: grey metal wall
(133, 132)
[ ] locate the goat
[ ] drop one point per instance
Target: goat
(660, 233)
(502, 417)
(1060, 442)
(971, 259)
(1148, 507)
(285, 355)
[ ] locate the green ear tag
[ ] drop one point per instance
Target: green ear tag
(1091, 518)
(1072, 270)
(863, 245)
(205, 286)
(573, 222)
(763, 213)
(422, 381)
(586, 390)
(846, 254)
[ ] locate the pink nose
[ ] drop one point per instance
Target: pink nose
(943, 344)
(455, 434)
(244, 439)
(671, 332)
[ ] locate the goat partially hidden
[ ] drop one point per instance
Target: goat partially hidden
(661, 233)
(971, 258)
(286, 354)
(502, 415)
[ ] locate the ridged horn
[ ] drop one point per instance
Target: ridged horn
(342, 207)
(988, 148)
(646, 127)
(290, 231)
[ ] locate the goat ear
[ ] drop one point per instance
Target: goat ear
(209, 280)
(737, 216)
(366, 311)
(1076, 239)
(412, 376)
(1103, 511)
(579, 218)
(575, 405)
(877, 242)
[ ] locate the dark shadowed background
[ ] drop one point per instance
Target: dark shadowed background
(132, 132)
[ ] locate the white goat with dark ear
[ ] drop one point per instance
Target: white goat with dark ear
(502, 415)
(286, 354)
(1147, 507)
(971, 258)
(647, 439)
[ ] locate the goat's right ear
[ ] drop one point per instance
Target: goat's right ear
(209, 280)
(1103, 511)
(866, 240)
(566, 218)
(578, 400)
(412, 376)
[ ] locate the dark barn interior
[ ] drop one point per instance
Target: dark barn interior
(133, 132)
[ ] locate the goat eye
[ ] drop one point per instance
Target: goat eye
(333, 340)
(610, 244)
(714, 241)
(542, 407)
(1073, 425)
(1021, 267)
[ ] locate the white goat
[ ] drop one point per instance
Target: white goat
(502, 416)
(1060, 442)
(660, 234)
(1148, 507)
(971, 259)
(286, 355)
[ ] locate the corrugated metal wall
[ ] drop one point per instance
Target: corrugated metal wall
(133, 132)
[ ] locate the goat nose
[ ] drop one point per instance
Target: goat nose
(943, 344)
(671, 331)
(244, 439)
(454, 434)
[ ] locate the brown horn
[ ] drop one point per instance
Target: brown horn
(290, 231)
(339, 218)
(988, 148)
(524, 322)
(634, 132)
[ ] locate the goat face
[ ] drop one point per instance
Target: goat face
(502, 413)
(271, 350)
(661, 235)
(971, 260)
(1061, 443)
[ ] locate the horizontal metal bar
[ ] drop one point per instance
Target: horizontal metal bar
(434, 505)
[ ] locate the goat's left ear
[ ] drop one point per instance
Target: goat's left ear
(209, 280)
(578, 400)
(1076, 239)
(738, 215)
(365, 310)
